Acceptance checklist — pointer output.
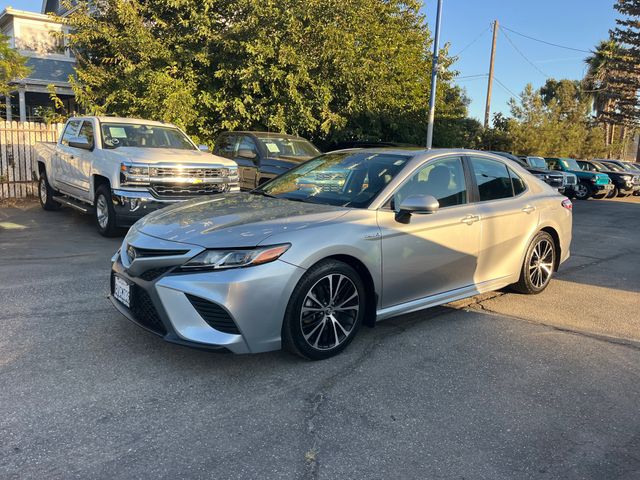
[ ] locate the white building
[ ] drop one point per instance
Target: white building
(36, 36)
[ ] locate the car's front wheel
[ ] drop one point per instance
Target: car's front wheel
(538, 265)
(582, 191)
(325, 311)
(105, 213)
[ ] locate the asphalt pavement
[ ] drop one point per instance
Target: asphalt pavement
(501, 386)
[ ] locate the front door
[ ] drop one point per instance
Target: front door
(82, 161)
(63, 168)
(427, 254)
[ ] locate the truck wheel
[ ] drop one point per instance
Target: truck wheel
(105, 214)
(582, 191)
(599, 196)
(613, 193)
(45, 193)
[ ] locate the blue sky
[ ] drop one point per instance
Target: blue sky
(575, 23)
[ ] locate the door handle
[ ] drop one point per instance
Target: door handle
(528, 209)
(469, 219)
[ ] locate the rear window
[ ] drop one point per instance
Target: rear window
(492, 178)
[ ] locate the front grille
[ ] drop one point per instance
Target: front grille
(182, 190)
(154, 273)
(144, 312)
(212, 313)
(572, 180)
(174, 172)
(555, 180)
(152, 252)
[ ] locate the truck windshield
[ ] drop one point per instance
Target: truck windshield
(288, 147)
(351, 179)
(139, 135)
(538, 162)
(571, 164)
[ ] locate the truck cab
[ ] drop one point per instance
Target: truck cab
(590, 184)
(120, 169)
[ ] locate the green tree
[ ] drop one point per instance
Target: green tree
(327, 69)
(12, 65)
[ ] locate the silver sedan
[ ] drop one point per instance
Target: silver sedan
(345, 239)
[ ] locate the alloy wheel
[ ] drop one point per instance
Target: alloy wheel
(582, 191)
(102, 212)
(329, 311)
(541, 263)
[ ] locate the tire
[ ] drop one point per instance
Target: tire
(105, 214)
(534, 277)
(46, 193)
(613, 193)
(582, 191)
(600, 196)
(314, 327)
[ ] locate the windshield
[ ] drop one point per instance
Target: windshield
(607, 166)
(570, 163)
(627, 167)
(351, 179)
(288, 147)
(538, 162)
(139, 135)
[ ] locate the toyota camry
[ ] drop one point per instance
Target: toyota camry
(345, 239)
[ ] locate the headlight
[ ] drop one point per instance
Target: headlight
(132, 174)
(221, 259)
(626, 178)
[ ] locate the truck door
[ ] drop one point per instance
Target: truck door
(83, 160)
(247, 157)
(62, 168)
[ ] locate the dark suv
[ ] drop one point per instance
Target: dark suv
(262, 156)
(624, 183)
(555, 179)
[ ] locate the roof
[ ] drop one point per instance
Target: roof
(108, 119)
(48, 70)
(9, 11)
(265, 134)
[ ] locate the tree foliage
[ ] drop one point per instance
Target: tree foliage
(12, 65)
(330, 70)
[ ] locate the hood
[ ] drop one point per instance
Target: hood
(167, 155)
(234, 220)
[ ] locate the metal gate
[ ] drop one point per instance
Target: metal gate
(18, 157)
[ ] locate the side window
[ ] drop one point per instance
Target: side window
(86, 131)
(246, 143)
(226, 145)
(518, 184)
(492, 178)
(71, 130)
(444, 179)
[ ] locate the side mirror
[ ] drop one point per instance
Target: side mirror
(419, 204)
(80, 142)
(246, 153)
(203, 148)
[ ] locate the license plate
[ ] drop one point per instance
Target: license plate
(121, 291)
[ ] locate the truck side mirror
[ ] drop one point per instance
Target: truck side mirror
(80, 142)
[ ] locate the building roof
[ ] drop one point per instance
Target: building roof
(10, 11)
(49, 71)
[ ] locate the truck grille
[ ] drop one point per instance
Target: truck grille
(555, 180)
(572, 180)
(184, 190)
(176, 172)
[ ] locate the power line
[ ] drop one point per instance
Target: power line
(544, 41)
(473, 41)
(479, 75)
(522, 54)
(507, 88)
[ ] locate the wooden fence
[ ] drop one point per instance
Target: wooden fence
(18, 157)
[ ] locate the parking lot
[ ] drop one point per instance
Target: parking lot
(501, 386)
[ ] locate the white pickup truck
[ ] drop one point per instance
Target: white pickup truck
(120, 169)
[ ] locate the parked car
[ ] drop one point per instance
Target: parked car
(556, 179)
(631, 168)
(120, 169)
(304, 268)
(590, 184)
(624, 183)
(262, 156)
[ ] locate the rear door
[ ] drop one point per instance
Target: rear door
(427, 254)
(508, 218)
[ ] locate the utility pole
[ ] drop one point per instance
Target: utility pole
(434, 76)
(487, 108)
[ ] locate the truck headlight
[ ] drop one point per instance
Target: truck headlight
(133, 174)
(626, 178)
(235, 258)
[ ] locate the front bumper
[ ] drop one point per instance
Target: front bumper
(603, 188)
(254, 299)
(131, 205)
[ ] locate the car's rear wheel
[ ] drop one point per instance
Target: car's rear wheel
(325, 311)
(45, 193)
(582, 191)
(105, 213)
(538, 265)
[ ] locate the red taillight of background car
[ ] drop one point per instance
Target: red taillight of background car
(566, 203)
